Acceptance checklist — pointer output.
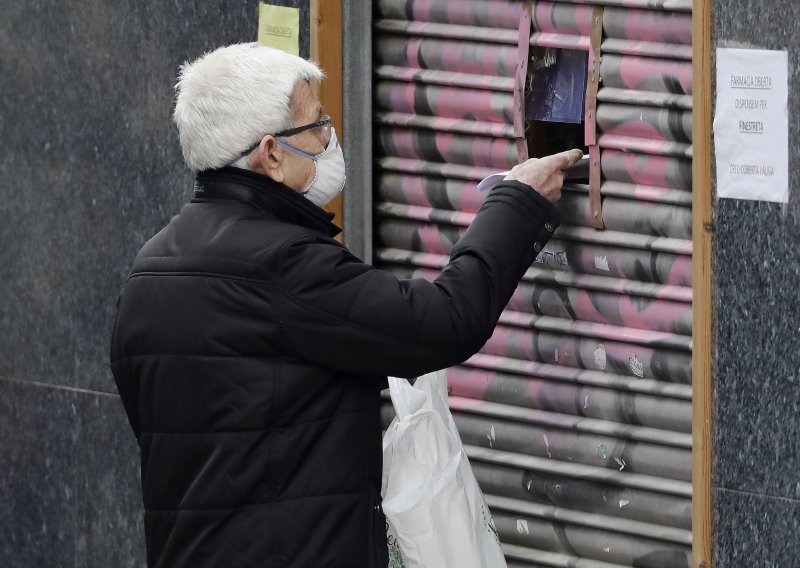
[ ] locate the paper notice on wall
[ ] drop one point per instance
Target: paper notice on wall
(751, 125)
(279, 27)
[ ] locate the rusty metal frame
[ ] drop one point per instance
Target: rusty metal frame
(520, 80)
(592, 86)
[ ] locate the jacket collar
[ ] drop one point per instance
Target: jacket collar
(261, 191)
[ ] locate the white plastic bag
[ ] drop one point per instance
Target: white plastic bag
(436, 513)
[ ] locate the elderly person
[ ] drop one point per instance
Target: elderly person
(250, 347)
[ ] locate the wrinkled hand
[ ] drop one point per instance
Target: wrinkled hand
(545, 175)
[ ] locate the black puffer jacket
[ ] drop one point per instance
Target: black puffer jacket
(249, 350)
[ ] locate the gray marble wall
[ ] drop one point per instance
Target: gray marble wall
(756, 467)
(90, 169)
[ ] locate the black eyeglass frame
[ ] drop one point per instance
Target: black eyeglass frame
(324, 120)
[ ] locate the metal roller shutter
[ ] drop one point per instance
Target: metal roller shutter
(576, 415)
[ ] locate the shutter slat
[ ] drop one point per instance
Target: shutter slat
(531, 483)
(636, 312)
(513, 416)
(566, 256)
(656, 419)
(627, 312)
(550, 435)
(627, 215)
(491, 13)
(481, 151)
(646, 193)
(647, 530)
(440, 124)
(562, 18)
(595, 330)
(448, 31)
(667, 5)
(586, 542)
(538, 558)
(560, 41)
(579, 472)
(447, 78)
(646, 74)
(586, 238)
(644, 145)
(447, 189)
(649, 26)
(513, 564)
(651, 123)
(646, 49)
(567, 350)
(444, 55)
(437, 169)
(427, 191)
(577, 256)
(659, 171)
(550, 276)
(431, 101)
(613, 95)
(581, 376)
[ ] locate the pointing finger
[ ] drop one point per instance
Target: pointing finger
(568, 158)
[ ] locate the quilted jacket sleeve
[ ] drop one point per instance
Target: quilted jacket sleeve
(338, 312)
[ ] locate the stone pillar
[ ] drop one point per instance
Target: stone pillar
(756, 456)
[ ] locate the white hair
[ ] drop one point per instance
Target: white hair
(230, 98)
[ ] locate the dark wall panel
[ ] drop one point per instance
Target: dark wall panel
(90, 164)
(70, 480)
(757, 345)
(755, 530)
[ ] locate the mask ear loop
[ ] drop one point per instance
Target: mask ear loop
(236, 159)
(297, 151)
(311, 157)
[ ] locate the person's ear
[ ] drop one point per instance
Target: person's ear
(268, 159)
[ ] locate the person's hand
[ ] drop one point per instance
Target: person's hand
(545, 175)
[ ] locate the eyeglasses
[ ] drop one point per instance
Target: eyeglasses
(324, 124)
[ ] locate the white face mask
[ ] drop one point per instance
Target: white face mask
(329, 175)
